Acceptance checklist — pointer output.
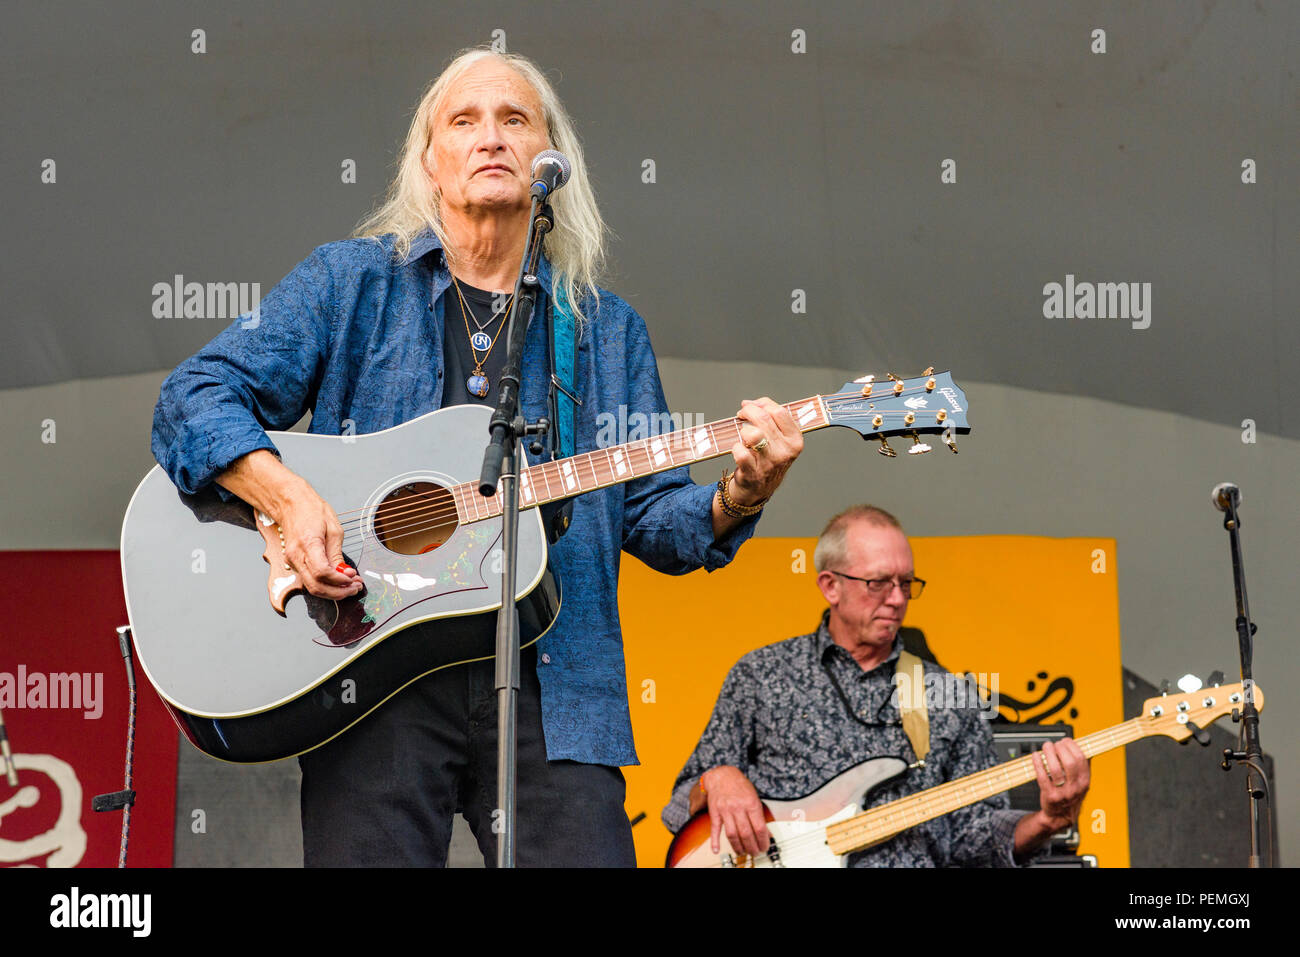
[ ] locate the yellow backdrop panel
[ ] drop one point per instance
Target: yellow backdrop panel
(1041, 614)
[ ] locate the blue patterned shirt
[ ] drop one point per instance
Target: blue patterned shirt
(781, 721)
(356, 338)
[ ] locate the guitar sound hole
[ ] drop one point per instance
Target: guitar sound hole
(415, 518)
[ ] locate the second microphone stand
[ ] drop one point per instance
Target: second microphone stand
(1253, 755)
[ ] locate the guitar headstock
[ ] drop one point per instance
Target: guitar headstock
(1169, 714)
(929, 404)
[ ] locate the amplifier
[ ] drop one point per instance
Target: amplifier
(1015, 740)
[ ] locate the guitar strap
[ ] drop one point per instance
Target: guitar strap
(563, 398)
(909, 679)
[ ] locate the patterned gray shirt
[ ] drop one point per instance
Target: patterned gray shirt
(781, 721)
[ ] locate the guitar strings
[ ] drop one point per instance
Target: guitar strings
(638, 456)
(439, 509)
(733, 423)
(631, 448)
(448, 502)
(427, 509)
(434, 508)
(437, 512)
(933, 802)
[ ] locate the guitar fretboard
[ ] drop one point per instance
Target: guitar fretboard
(881, 823)
(588, 471)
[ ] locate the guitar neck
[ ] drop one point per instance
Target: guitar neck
(881, 823)
(565, 478)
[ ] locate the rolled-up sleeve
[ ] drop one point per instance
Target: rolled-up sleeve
(727, 740)
(261, 373)
(983, 834)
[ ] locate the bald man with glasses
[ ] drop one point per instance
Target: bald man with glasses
(793, 715)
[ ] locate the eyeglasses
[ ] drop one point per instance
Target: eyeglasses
(912, 587)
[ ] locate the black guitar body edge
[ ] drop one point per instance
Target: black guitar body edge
(333, 706)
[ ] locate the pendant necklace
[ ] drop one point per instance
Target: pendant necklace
(480, 341)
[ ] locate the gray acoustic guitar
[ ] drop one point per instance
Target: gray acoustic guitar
(254, 668)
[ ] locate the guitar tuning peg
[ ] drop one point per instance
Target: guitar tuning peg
(918, 447)
(1164, 686)
(929, 371)
(950, 442)
(1215, 679)
(885, 448)
(1199, 734)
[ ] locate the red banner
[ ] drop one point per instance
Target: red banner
(63, 694)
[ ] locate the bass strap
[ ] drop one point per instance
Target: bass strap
(909, 679)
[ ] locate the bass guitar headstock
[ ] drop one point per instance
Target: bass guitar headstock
(1174, 715)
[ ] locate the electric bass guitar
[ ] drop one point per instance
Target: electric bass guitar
(253, 668)
(825, 827)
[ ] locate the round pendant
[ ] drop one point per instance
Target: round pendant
(481, 341)
(477, 385)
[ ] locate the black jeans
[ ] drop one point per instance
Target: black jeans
(383, 793)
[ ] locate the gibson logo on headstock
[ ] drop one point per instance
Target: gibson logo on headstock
(951, 396)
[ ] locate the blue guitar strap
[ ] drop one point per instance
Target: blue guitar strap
(563, 398)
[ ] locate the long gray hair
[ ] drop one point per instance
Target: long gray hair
(576, 247)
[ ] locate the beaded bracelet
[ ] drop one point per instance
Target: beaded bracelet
(733, 508)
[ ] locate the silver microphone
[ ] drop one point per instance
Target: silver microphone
(550, 171)
(1223, 494)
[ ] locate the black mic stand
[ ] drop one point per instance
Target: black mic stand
(123, 800)
(500, 461)
(1253, 755)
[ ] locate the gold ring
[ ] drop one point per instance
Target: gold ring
(1048, 771)
(760, 445)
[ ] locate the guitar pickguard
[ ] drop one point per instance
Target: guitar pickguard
(798, 826)
(394, 582)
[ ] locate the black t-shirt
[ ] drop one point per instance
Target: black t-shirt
(459, 357)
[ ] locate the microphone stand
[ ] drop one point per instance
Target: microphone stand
(500, 462)
(1253, 756)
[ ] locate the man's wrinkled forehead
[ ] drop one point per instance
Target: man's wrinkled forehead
(462, 104)
(489, 85)
(877, 546)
